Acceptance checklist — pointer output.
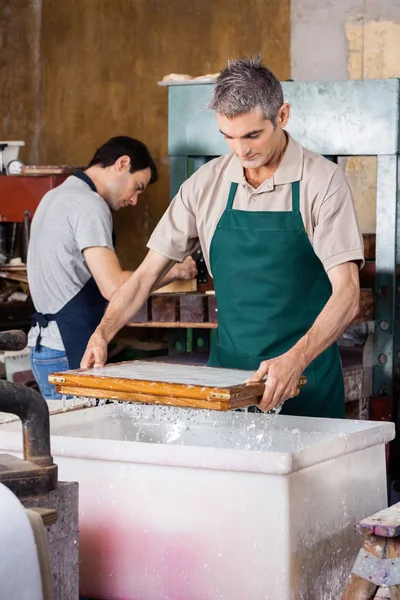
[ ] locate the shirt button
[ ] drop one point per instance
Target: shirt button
(252, 199)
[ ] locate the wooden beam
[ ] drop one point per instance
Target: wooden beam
(209, 404)
(369, 245)
(359, 588)
(174, 325)
(366, 307)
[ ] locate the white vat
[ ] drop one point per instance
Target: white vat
(235, 506)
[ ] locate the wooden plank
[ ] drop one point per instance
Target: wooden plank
(178, 287)
(14, 276)
(359, 588)
(368, 275)
(113, 386)
(165, 308)
(369, 245)
(143, 315)
(366, 306)
(175, 325)
(212, 309)
(50, 169)
(209, 404)
(393, 552)
(193, 308)
(385, 523)
(49, 515)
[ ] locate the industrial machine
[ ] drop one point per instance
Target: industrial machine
(34, 478)
(20, 195)
(36, 473)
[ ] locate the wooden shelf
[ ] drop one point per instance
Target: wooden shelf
(174, 325)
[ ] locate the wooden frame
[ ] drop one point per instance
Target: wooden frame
(79, 383)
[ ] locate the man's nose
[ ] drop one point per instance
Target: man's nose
(133, 200)
(242, 148)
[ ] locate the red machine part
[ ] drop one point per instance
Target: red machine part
(19, 193)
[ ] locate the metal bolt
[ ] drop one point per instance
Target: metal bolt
(384, 325)
(382, 359)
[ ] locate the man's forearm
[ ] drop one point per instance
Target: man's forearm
(125, 303)
(168, 278)
(337, 314)
(176, 272)
(173, 275)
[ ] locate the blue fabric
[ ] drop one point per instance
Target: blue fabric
(81, 175)
(44, 362)
(76, 321)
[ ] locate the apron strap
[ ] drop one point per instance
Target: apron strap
(296, 196)
(43, 321)
(81, 175)
(231, 197)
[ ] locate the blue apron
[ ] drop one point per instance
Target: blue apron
(78, 319)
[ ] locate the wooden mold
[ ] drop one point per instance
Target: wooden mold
(155, 382)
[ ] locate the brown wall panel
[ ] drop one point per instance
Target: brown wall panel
(20, 27)
(100, 63)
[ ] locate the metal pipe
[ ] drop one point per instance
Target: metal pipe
(33, 411)
(27, 233)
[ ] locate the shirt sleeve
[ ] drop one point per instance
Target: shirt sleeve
(92, 224)
(176, 235)
(337, 238)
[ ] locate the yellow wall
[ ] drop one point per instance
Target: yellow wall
(374, 53)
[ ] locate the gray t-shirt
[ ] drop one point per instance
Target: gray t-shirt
(69, 219)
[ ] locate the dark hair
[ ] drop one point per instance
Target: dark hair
(122, 145)
(245, 84)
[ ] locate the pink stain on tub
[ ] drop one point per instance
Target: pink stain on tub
(132, 564)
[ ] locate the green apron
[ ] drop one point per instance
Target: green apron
(270, 287)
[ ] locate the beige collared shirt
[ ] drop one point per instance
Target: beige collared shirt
(326, 206)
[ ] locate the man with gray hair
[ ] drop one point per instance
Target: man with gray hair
(279, 234)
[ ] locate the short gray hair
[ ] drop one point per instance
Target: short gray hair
(245, 84)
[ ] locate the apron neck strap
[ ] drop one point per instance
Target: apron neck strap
(296, 196)
(231, 197)
(81, 175)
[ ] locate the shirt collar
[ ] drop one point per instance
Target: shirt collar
(289, 170)
(81, 175)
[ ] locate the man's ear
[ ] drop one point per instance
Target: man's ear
(122, 163)
(283, 115)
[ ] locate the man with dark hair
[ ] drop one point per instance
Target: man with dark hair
(279, 234)
(73, 270)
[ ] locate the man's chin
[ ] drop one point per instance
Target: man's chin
(255, 163)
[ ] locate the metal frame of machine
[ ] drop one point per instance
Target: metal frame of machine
(335, 119)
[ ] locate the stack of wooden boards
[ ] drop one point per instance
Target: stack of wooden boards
(185, 308)
(198, 308)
